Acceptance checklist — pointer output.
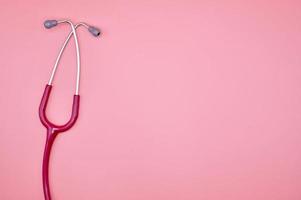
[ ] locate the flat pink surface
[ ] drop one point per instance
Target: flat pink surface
(180, 100)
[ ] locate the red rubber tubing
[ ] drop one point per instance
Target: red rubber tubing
(52, 131)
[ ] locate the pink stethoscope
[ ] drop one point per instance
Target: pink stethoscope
(52, 129)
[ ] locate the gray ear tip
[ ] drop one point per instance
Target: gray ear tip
(50, 23)
(95, 31)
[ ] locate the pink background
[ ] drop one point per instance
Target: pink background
(181, 100)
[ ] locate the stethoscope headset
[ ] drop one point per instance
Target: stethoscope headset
(52, 129)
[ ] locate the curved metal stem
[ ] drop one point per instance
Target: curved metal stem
(73, 31)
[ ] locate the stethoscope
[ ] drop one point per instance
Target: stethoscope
(52, 129)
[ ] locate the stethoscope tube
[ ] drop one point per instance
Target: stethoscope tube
(52, 129)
